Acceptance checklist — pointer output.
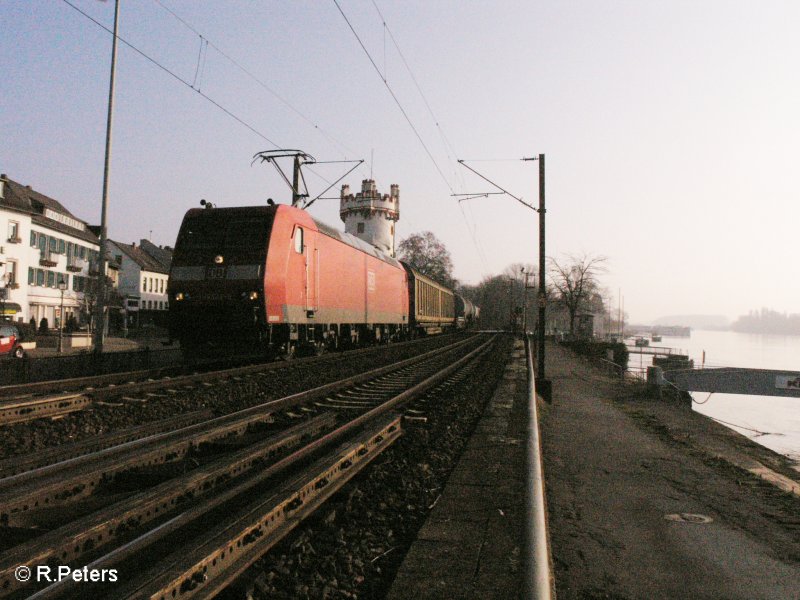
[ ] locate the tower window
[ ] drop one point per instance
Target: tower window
(360, 228)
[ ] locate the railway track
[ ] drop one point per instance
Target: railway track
(122, 505)
(24, 402)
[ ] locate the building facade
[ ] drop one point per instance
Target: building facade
(45, 252)
(143, 277)
(370, 216)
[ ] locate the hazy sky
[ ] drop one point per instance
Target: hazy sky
(671, 128)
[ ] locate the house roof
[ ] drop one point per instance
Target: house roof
(24, 199)
(142, 258)
(163, 254)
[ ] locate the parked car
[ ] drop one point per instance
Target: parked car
(11, 341)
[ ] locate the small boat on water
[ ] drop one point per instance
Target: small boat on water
(655, 338)
(641, 342)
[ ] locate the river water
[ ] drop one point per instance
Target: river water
(771, 421)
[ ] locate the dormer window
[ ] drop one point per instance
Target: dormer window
(13, 232)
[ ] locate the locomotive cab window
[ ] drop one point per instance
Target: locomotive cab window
(298, 240)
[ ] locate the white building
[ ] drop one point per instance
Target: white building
(370, 216)
(42, 244)
(143, 276)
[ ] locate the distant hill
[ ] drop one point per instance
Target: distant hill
(768, 321)
(695, 321)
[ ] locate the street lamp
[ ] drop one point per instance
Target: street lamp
(6, 278)
(525, 302)
(511, 304)
(62, 285)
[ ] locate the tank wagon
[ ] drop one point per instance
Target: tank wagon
(272, 277)
(466, 313)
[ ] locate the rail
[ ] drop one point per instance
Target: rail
(539, 578)
(256, 513)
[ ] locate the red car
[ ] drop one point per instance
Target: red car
(11, 341)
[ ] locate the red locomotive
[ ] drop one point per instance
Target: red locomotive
(274, 278)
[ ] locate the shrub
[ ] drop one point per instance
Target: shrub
(71, 325)
(27, 331)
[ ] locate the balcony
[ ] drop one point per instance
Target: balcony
(14, 240)
(75, 264)
(47, 258)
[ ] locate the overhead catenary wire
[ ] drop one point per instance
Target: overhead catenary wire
(174, 75)
(395, 98)
(333, 140)
(518, 199)
(199, 56)
(448, 146)
(203, 64)
(200, 69)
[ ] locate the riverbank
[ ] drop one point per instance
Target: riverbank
(648, 499)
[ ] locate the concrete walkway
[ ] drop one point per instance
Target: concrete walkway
(471, 544)
(621, 472)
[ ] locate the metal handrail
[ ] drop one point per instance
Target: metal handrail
(538, 577)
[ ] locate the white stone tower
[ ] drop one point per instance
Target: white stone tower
(370, 216)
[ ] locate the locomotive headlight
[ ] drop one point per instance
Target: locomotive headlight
(253, 295)
(179, 296)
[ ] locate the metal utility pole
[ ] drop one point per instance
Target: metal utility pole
(100, 305)
(62, 285)
(542, 267)
(542, 384)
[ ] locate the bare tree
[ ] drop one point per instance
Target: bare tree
(429, 256)
(575, 281)
(91, 294)
(501, 297)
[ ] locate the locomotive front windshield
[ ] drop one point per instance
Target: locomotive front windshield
(204, 235)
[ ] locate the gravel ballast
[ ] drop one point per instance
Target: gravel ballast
(353, 547)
